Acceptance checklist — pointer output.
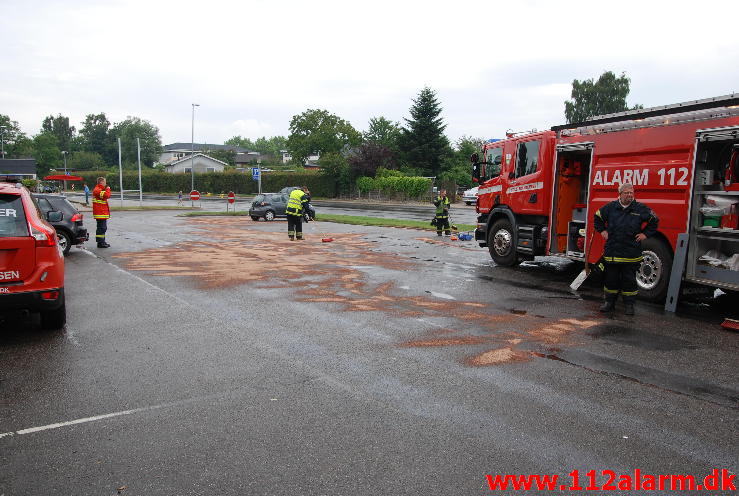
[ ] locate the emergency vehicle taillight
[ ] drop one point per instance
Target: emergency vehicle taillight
(50, 295)
(42, 235)
(76, 218)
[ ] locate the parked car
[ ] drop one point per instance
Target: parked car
(69, 229)
(271, 205)
(31, 260)
(470, 196)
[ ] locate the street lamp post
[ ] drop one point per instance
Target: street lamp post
(2, 141)
(64, 154)
(192, 149)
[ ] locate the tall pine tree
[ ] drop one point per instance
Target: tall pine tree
(423, 143)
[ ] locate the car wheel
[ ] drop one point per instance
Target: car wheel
(653, 275)
(501, 243)
(269, 215)
(255, 218)
(54, 319)
(64, 240)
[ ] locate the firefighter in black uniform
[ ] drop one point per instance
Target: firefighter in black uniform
(620, 223)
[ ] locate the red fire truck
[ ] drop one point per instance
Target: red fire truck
(538, 191)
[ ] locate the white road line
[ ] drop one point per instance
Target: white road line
(77, 421)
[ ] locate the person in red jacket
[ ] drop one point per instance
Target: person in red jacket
(101, 211)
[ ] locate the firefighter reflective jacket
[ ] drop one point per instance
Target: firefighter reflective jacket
(442, 207)
(296, 203)
(623, 224)
(100, 208)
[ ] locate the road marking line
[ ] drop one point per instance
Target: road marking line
(77, 421)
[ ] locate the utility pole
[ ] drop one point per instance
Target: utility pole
(64, 154)
(2, 140)
(192, 148)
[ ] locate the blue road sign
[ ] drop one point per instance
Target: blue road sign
(255, 173)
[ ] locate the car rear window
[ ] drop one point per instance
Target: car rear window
(12, 217)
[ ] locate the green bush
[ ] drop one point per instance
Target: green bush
(212, 182)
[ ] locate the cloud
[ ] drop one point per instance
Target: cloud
(252, 65)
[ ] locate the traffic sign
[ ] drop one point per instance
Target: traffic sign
(231, 197)
(255, 173)
(194, 195)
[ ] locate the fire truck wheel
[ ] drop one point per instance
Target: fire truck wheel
(653, 275)
(501, 243)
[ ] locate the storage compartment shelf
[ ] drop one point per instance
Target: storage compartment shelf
(717, 192)
(730, 278)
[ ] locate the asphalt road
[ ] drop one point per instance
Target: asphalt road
(214, 356)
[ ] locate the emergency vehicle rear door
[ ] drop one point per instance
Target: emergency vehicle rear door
(17, 247)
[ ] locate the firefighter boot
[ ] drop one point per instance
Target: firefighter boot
(609, 306)
(629, 307)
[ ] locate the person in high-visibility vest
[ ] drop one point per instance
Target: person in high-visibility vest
(442, 213)
(101, 211)
(296, 205)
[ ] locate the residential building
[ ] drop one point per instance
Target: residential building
(177, 151)
(23, 168)
(200, 162)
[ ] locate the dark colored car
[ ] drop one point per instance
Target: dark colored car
(69, 230)
(31, 261)
(271, 205)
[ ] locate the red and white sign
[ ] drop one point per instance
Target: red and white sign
(231, 197)
(194, 195)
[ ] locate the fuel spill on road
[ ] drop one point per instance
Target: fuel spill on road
(240, 253)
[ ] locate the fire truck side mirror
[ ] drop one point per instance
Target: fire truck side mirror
(474, 158)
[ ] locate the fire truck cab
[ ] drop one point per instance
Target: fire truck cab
(539, 191)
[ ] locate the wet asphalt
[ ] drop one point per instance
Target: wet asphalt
(415, 367)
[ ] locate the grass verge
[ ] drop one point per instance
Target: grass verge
(353, 219)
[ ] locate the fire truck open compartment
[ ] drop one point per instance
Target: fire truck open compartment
(572, 173)
(713, 253)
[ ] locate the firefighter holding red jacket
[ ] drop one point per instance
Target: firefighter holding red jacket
(101, 211)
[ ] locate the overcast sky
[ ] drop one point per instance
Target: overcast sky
(253, 64)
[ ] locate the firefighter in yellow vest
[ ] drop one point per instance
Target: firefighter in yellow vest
(296, 205)
(442, 213)
(101, 211)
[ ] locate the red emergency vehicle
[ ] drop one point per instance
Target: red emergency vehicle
(539, 191)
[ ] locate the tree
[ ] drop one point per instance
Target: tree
(239, 141)
(335, 167)
(15, 143)
(607, 95)
(85, 161)
(383, 132)
(95, 137)
(271, 146)
(46, 152)
(148, 134)
(227, 156)
(368, 157)
(457, 167)
(423, 144)
(59, 127)
(318, 131)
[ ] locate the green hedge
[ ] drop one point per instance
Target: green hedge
(213, 182)
(398, 186)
